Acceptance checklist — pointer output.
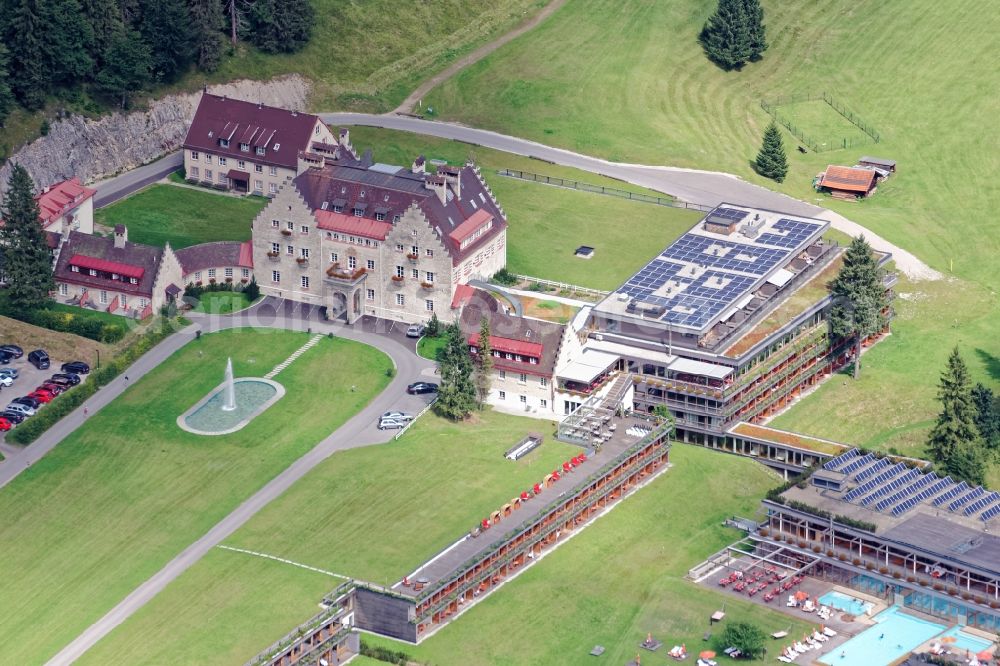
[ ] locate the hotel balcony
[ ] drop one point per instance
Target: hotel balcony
(342, 275)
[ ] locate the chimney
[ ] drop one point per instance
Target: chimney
(453, 176)
(345, 137)
(418, 164)
(438, 184)
(121, 236)
(294, 113)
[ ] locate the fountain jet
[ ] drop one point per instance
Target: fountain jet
(229, 404)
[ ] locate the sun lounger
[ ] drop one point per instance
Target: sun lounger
(829, 632)
(784, 659)
(779, 634)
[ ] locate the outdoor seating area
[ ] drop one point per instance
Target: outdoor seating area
(757, 580)
(809, 642)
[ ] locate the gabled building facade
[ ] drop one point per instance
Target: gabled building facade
(67, 206)
(245, 147)
(361, 238)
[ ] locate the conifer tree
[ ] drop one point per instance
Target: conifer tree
(207, 20)
(954, 441)
(28, 75)
(755, 27)
(28, 266)
(484, 362)
(771, 161)
(726, 35)
(987, 415)
(68, 37)
(105, 18)
(6, 96)
(281, 26)
(166, 27)
(127, 68)
(456, 393)
(859, 298)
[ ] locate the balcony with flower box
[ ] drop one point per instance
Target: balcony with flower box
(427, 286)
(343, 275)
(274, 256)
(413, 256)
(302, 261)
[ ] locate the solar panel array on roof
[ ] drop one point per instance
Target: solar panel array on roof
(893, 484)
(858, 464)
(906, 505)
(724, 255)
(874, 469)
(965, 499)
(990, 513)
(794, 233)
(726, 216)
(905, 492)
(841, 460)
(871, 485)
(954, 492)
(982, 503)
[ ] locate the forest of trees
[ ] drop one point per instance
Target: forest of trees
(112, 49)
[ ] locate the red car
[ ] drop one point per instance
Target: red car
(54, 389)
(5, 425)
(41, 396)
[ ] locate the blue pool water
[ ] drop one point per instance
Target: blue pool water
(965, 641)
(893, 636)
(845, 603)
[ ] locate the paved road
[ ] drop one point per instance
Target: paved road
(356, 432)
(113, 189)
(708, 188)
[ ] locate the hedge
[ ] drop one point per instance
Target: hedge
(68, 322)
(63, 404)
(384, 654)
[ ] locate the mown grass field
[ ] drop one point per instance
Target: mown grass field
(129, 490)
(221, 302)
(374, 513)
(182, 216)
(629, 82)
(620, 578)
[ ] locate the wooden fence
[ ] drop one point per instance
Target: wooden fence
(771, 107)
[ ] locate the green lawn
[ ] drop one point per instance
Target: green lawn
(620, 578)
(129, 490)
(627, 81)
(374, 513)
(106, 317)
(182, 216)
(221, 302)
(429, 347)
(823, 125)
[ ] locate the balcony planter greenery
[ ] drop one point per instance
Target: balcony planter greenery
(856, 561)
(301, 260)
(897, 575)
(939, 587)
(427, 285)
(842, 557)
(883, 570)
(830, 553)
(398, 279)
(869, 566)
(286, 232)
(412, 257)
(911, 579)
(272, 255)
(816, 549)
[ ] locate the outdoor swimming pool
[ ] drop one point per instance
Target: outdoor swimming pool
(893, 635)
(966, 641)
(846, 603)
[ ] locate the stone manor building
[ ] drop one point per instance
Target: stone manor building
(360, 237)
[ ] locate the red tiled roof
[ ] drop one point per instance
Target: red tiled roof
(851, 179)
(463, 294)
(508, 346)
(349, 224)
(474, 221)
(280, 132)
(61, 197)
(96, 264)
(246, 255)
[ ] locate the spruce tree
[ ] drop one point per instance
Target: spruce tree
(968, 463)
(858, 297)
(28, 264)
(28, 75)
(456, 393)
(6, 96)
(726, 36)
(68, 36)
(105, 19)
(484, 362)
(771, 161)
(755, 26)
(127, 69)
(166, 27)
(281, 26)
(207, 21)
(987, 415)
(954, 441)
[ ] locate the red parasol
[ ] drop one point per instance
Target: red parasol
(706, 654)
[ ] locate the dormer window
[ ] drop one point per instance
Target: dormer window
(245, 147)
(133, 281)
(277, 146)
(92, 272)
(338, 209)
(358, 212)
(380, 217)
(224, 143)
(362, 194)
(324, 205)
(74, 269)
(260, 150)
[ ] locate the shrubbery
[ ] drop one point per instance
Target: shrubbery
(505, 277)
(92, 328)
(384, 654)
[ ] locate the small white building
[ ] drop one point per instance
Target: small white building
(66, 206)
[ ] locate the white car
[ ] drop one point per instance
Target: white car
(391, 424)
(396, 416)
(6, 380)
(415, 330)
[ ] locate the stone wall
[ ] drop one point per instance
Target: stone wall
(94, 149)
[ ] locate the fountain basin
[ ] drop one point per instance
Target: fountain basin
(253, 396)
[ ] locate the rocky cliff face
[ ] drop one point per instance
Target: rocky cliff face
(94, 149)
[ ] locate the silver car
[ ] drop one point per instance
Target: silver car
(20, 409)
(391, 424)
(396, 416)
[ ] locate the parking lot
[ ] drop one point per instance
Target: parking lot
(29, 377)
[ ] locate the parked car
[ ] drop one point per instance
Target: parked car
(5, 380)
(6, 357)
(64, 380)
(76, 367)
(5, 425)
(42, 396)
(415, 330)
(417, 388)
(9, 372)
(13, 350)
(54, 389)
(398, 416)
(391, 424)
(39, 358)
(14, 417)
(21, 408)
(28, 400)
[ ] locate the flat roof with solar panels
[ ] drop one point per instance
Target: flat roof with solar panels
(907, 504)
(714, 269)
